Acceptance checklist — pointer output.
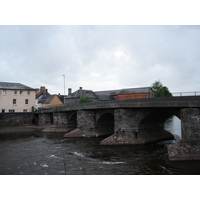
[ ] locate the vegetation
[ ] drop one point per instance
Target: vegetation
(85, 99)
(160, 90)
(55, 109)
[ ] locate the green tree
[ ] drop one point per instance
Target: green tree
(157, 86)
(85, 99)
(160, 90)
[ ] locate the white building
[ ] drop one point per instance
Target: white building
(16, 97)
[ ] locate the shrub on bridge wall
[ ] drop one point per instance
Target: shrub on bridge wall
(85, 99)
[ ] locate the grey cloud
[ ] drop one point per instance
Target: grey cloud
(101, 57)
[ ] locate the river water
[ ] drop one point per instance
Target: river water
(51, 154)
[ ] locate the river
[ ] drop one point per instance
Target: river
(51, 154)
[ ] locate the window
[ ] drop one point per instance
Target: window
(25, 110)
(26, 101)
(4, 92)
(15, 92)
(11, 111)
(28, 92)
(21, 92)
(3, 110)
(14, 101)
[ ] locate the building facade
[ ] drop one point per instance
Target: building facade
(39, 95)
(16, 97)
(135, 93)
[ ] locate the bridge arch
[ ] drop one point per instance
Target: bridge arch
(154, 121)
(105, 121)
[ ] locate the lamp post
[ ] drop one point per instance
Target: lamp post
(64, 89)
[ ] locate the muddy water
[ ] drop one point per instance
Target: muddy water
(52, 154)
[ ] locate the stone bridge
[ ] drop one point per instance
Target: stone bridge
(130, 122)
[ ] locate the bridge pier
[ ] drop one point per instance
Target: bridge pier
(60, 123)
(138, 126)
(86, 125)
(45, 119)
(189, 147)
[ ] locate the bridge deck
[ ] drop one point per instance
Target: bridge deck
(159, 102)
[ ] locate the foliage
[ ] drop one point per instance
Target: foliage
(160, 90)
(85, 99)
(157, 86)
(55, 109)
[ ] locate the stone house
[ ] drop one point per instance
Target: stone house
(16, 97)
(74, 97)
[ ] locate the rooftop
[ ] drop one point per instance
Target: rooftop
(46, 99)
(14, 86)
(82, 93)
(136, 90)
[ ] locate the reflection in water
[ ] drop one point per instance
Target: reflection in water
(53, 154)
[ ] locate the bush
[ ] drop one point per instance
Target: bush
(85, 99)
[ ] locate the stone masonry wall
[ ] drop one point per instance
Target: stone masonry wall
(190, 125)
(8, 119)
(85, 119)
(60, 119)
(46, 119)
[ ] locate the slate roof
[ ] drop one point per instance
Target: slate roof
(107, 95)
(82, 93)
(46, 99)
(136, 90)
(61, 97)
(14, 86)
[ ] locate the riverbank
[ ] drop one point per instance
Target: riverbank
(20, 129)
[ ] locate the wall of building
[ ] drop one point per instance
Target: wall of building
(6, 101)
(71, 101)
(132, 96)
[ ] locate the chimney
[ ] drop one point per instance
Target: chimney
(81, 93)
(42, 88)
(69, 91)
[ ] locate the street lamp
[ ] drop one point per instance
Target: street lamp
(64, 88)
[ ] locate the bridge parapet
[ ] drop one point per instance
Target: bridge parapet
(158, 102)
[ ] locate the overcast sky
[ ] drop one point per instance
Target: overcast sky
(101, 57)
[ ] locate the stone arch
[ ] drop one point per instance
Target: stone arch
(153, 121)
(105, 122)
(101, 112)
